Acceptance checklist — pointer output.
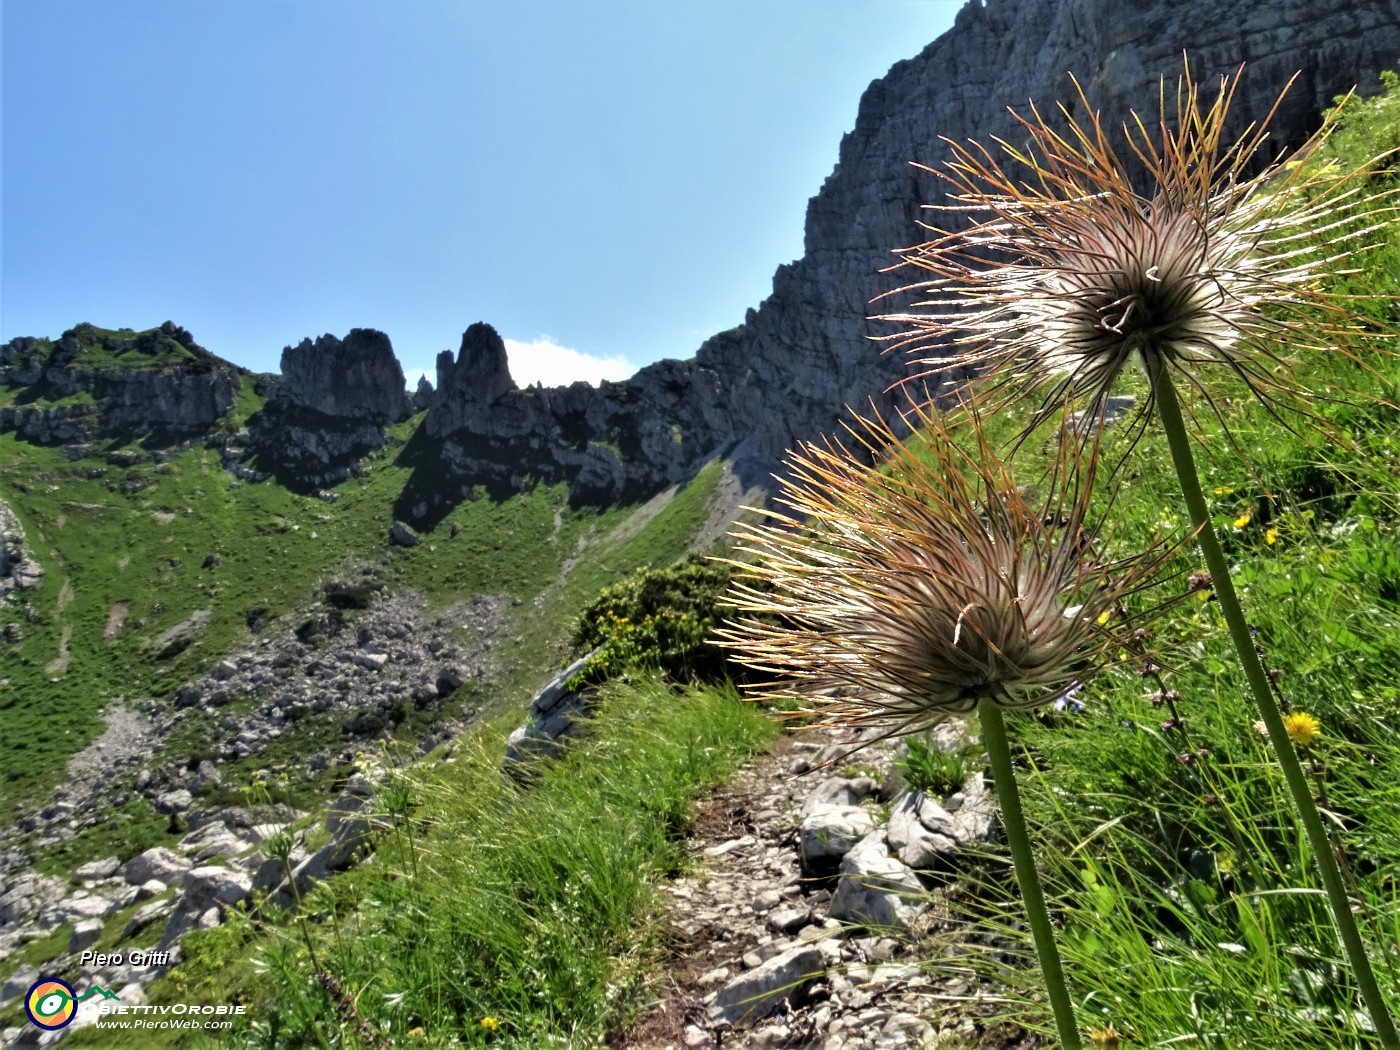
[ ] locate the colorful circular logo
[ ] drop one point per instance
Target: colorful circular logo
(51, 1003)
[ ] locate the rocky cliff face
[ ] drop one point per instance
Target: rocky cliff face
(790, 369)
(608, 441)
(329, 408)
(18, 569)
(95, 382)
(355, 378)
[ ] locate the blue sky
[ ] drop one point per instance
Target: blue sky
(615, 179)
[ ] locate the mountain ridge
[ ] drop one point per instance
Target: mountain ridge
(805, 354)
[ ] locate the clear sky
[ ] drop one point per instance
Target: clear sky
(615, 178)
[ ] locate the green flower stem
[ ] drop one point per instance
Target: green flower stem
(1172, 423)
(999, 755)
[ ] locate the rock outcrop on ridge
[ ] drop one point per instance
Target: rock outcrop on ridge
(355, 378)
(788, 372)
(607, 442)
(99, 383)
(328, 408)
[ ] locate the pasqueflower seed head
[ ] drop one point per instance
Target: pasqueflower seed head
(1177, 248)
(928, 583)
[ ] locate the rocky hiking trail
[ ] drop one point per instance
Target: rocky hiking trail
(800, 924)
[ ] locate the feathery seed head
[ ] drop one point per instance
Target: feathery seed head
(927, 584)
(1070, 272)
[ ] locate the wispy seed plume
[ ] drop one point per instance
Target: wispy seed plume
(1179, 248)
(927, 584)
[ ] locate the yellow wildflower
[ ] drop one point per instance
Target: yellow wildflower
(1271, 535)
(1243, 519)
(416, 1033)
(490, 1024)
(1302, 727)
(1107, 1038)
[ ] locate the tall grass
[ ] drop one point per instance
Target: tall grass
(531, 909)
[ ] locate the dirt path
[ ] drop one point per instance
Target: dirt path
(116, 619)
(730, 500)
(749, 901)
(60, 662)
(640, 517)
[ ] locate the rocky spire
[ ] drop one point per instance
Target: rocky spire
(478, 378)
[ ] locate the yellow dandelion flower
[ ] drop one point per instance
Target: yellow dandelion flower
(490, 1024)
(1244, 519)
(1271, 535)
(1302, 727)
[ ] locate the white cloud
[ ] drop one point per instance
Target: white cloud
(542, 360)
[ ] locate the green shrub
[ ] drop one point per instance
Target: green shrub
(655, 620)
(929, 769)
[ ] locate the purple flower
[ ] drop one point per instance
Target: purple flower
(1070, 701)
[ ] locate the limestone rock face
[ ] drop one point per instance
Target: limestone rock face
(423, 396)
(355, 378)
(806, 351)
(478, 378)
(94, 382)
(789, 371)
(18, 569)
(329, 408)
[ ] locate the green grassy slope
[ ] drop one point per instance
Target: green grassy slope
(104, 547)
